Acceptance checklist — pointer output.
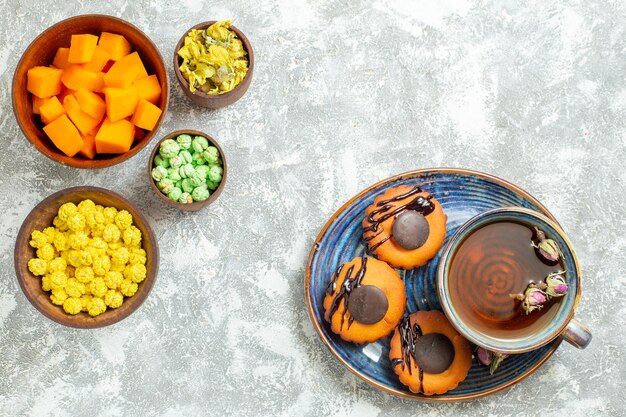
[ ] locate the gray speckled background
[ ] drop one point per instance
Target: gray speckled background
(345, 94)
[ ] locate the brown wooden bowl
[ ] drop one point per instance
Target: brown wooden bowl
(215, 101)
(41, 217)
(41, 51)
(196, 205)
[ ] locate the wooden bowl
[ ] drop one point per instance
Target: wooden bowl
(41, 217)
(41, 51)
(196, 205)
(215, 101)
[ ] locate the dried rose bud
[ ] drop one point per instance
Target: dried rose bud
(497, 360)
(557, 287)
(547, 249)
(484, 356)
(533, 299)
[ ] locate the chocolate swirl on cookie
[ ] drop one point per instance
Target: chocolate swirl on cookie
(386, 210)
(350, 282)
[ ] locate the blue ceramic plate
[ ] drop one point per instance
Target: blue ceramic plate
(462, 194)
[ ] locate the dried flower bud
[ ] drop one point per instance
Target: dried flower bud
(557, 287)
(547, 249)
(484, 356)
(497, 360)
(533, 299)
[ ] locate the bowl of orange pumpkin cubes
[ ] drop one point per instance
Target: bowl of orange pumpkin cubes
(90, 91)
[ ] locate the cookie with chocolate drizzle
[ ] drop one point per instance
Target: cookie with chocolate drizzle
(404, 227)
(428, 354)
(365, 299)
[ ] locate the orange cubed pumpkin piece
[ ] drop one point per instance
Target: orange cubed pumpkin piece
(116, 45)
(120, 102)
(115, 137)
(89, 147)
(125, 71)
(146, 115)
(83, 122)
(148, 88)
(82, 48)
(76, 77)
(51, 110)
(100, 58)
(60, 58)
(44, 82)
(64, 135)
(37, 103)
(91, 103)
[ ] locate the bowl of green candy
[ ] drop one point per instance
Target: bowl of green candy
(187, 169)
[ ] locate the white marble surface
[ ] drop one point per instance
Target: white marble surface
(345, 94)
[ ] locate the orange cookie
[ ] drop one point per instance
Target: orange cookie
(404, 227)
(428, 354)
(364, 301)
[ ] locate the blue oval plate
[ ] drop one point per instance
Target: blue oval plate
(462, 194)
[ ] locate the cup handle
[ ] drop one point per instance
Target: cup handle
(576, 334)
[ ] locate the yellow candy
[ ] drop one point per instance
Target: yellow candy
(45, 283)
(97, 287)
(72, 305)
(60, 241)
(97, 306)
(37, 266)
(137, 256)
(135, 272)
(38, 239)
(58, 296)
(113, 299)
(46, 252)
(75, 288)
(58, 280)
(123, 219)
(67, 210)
(86, 207)
(109, 215)
(84, 274)
(111, 233)
(57, 264)
(101, 265)
(128, 288)
(113, 279)
(95, 264)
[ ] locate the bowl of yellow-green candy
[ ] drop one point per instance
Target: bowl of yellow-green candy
(214, 63)
(187, 170)
(86, 257)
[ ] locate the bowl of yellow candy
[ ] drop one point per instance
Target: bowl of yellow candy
(86, 257)
(214, 63)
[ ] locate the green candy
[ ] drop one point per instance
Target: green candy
(165, 185)
(186, 185)
(174, 194)
(186, 170)
(174, 175)
(185, 198)
(215, 174)
(161, 162)
(179, 184)
(176, 161)
(200, 193)
(211, 155)
(158, 173)
(186, 157)
(203, 170)
(197, 179)
(198, 159)
(211, 185)
(199, 143)
(184, 141)
(169, 148)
